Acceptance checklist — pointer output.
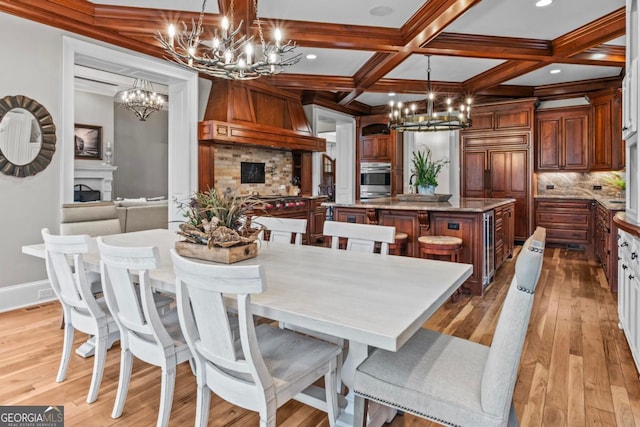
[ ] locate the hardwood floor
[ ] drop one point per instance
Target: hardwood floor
(576, 368)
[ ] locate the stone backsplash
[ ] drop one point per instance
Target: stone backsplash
(278, 169)
(575, 184)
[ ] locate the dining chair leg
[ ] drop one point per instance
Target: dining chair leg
(66, 351)
(98, 364)
(126, 364)
(359, 411)
(166, 395)
(203, 400)
(330, 386)
(268, 413)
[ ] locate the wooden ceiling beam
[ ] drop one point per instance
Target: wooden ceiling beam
(479, 46)
(564, 90)
(429, 21)
(502, 73)
(310, 82)
(593, 34)
(414, 86)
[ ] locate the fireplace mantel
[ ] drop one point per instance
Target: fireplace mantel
(95, 175)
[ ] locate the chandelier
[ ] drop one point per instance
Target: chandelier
(229, 54)
(403, 118)
(141, 99)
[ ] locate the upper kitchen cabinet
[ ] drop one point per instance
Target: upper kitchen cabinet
(501, 117)
(376, 148)
(607, 149)
(562, 139)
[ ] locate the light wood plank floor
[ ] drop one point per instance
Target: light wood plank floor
(576, 368)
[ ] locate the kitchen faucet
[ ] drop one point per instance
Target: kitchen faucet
(411, 183)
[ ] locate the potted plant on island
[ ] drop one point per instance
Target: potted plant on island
(218, 227)
(426, 171)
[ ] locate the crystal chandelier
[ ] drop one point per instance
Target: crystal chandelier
(141, 99)
(231, 55)
(403, 118)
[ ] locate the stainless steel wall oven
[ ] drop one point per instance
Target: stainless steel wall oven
(375, 180)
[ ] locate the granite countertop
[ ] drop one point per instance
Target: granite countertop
(463, 204)
(608, 202)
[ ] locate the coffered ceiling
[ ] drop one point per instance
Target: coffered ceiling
(490, 49)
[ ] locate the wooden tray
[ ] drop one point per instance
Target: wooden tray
(424, 197)
(216, 254)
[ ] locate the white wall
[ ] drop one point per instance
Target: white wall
(141, 153)
(31, 66)
(443, 145)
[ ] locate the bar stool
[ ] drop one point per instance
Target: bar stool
(400, 246)
(442, 246)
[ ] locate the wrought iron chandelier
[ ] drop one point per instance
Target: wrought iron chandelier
(141, 99)
(403, 118)
(231, 54)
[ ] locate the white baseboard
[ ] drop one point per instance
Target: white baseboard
(25, 294)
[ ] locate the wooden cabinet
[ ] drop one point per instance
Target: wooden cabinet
(355, 215)
(302, 170)
(562, 139)
(605, 244)
(375, 148)
(607, 148)
(502, 117)
(496, 158)
(500, 172)
(503, 234)
(316, 219)
(567, 221)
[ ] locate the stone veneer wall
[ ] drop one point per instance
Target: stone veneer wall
(576, 184)
(278, 169)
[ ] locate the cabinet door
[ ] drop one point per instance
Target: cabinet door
(548, 142)
(473, 173)
(375, 148)
(602, 116)
(576, 140)
(306, 168)
(509, 178)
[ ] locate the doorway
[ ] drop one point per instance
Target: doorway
(183, 110)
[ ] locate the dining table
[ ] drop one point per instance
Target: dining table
(366, 299)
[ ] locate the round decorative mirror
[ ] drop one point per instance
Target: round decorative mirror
(27, 136)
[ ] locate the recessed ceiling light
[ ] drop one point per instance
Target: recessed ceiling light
(555, 71)
(598, 56)
(543, 3)
(381, 11)
(392, 94)
(311, 56)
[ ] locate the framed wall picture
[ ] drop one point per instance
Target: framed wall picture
(88, 142)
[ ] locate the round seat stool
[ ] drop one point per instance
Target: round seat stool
(400, 246)
(441, 246)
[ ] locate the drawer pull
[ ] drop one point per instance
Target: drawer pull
(634, 255)
(631, 277)
(624, 245)
(624, 266)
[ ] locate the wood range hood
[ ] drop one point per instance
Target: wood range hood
(256, 114)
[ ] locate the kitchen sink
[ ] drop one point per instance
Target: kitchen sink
(617, 201)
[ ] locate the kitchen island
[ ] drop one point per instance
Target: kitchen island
(485, 226)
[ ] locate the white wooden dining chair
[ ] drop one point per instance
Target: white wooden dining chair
(268, 366)
(144, 333)
(360, 237)
(282, 229)
(453, 381)
(81, 310)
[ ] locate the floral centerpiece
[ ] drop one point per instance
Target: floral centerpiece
(215, 222)
(426, 171)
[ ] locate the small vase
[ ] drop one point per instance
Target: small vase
(427, 189)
